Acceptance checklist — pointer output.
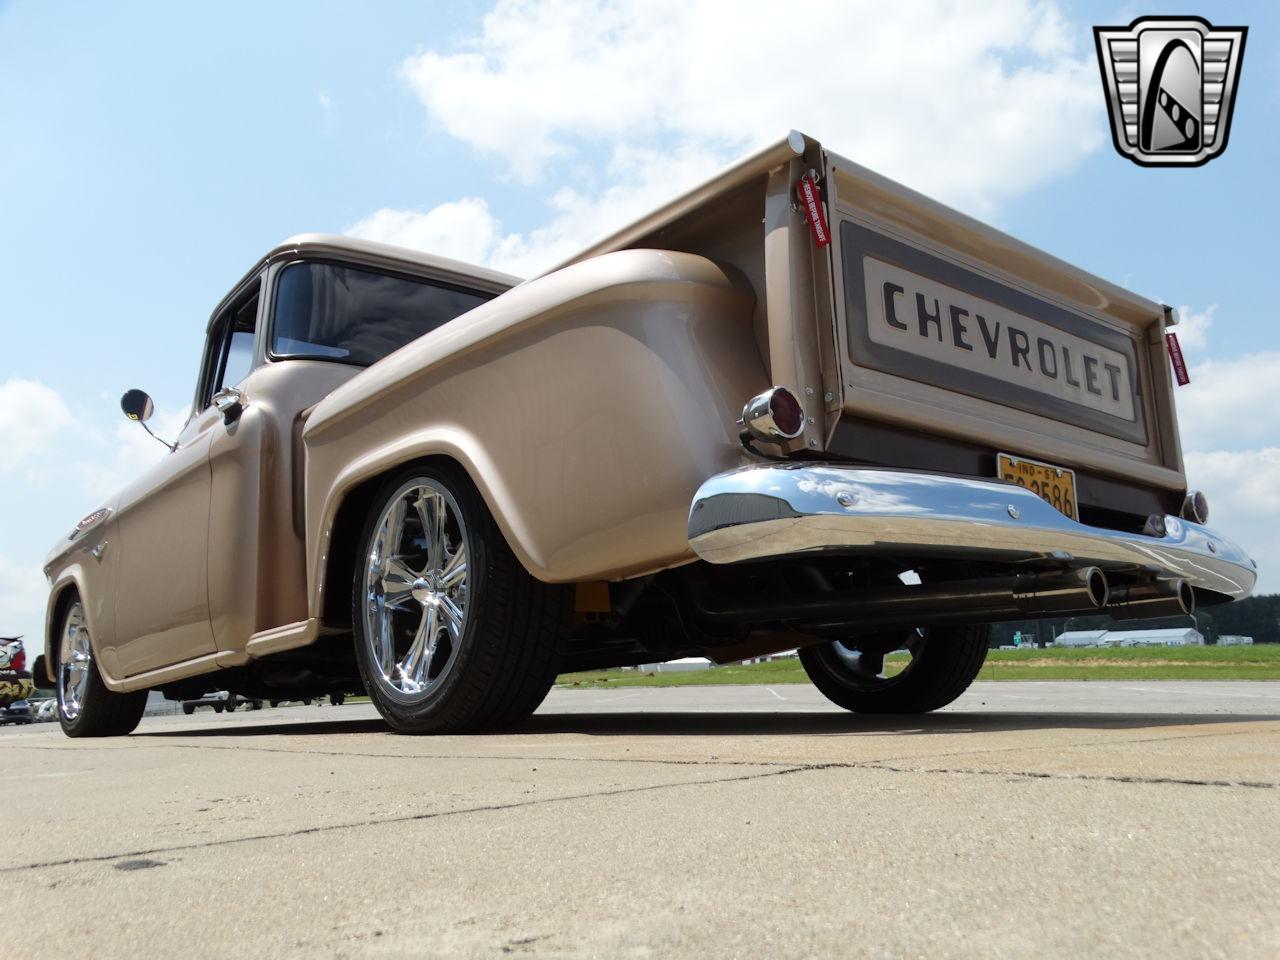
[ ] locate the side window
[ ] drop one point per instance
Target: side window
(231, 351)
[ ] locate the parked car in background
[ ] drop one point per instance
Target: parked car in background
(19, 711)
(16, 683)
(800, 407)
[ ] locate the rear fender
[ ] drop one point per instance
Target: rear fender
(586, 406)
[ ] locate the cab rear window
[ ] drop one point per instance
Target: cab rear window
(333, 312)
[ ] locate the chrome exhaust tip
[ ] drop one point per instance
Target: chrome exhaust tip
(1072, 591)
(1096, 587)
(1157, 598)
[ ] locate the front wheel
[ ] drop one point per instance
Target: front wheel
(940, 664)
(86, 708)
(452, 634)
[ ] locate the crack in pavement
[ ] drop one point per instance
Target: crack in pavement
(540, 758)
(881, 765)
(710, 762)
(1092, 777)
(408, 818)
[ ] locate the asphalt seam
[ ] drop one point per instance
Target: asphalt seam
(881, 765)
(409, 818)
(777, 766)
(538, 758)
(1091, 777)
(138, 743)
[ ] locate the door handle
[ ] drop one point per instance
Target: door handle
(230, 403)
(99, 549)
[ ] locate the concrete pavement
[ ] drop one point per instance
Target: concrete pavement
(1046, 819)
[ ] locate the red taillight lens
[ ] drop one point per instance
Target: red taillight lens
(774, 415)
(1195, 507)
(20, 661)
(786, 412)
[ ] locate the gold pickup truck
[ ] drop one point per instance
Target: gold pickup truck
(801, 406)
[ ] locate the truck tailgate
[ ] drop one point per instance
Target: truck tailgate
(946, 326)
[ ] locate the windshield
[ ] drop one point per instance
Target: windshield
(333, 312)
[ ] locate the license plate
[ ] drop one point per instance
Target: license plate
(1056, 486)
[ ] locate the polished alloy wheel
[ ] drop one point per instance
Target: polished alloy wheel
(74, 661)
(415, 590)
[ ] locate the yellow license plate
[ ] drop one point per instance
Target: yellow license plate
(1056, 486)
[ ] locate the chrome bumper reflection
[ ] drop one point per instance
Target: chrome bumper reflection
(773, 510)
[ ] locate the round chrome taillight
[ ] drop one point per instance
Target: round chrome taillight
(774, 415)
(1195, 507)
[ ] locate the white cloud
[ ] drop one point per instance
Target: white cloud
(619, 107)
(328, 113)
(1243, 487)
(31, 417)
(972, 102)
(23, 590)
(463, 229)
(467, 229)
(1193, 326)
(1227, 405)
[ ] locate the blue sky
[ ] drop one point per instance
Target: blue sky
(154, 151)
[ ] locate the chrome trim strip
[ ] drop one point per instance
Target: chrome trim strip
(772, 510)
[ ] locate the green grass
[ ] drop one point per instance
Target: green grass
(1124, 663)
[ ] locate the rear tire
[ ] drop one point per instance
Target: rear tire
(86, 708)
(452, 634)
(945, 662)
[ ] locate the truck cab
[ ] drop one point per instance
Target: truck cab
(177, 575)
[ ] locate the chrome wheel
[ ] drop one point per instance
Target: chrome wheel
(74, 662)
(415, 590)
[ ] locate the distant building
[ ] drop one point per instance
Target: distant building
(1234, 640)
(1171, 637)
(1080, 638)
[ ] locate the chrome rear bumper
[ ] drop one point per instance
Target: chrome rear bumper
(774, 510)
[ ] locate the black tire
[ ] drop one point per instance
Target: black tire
(275, 703)
(231, 706)
(188, 708)
(98, 712)
(513, 634)
(336, 699)
(948, 660)
(217, 708)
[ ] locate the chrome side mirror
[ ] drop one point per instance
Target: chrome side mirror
(137, 405)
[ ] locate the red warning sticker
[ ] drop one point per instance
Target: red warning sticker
(1175, 354)
(813, 212)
